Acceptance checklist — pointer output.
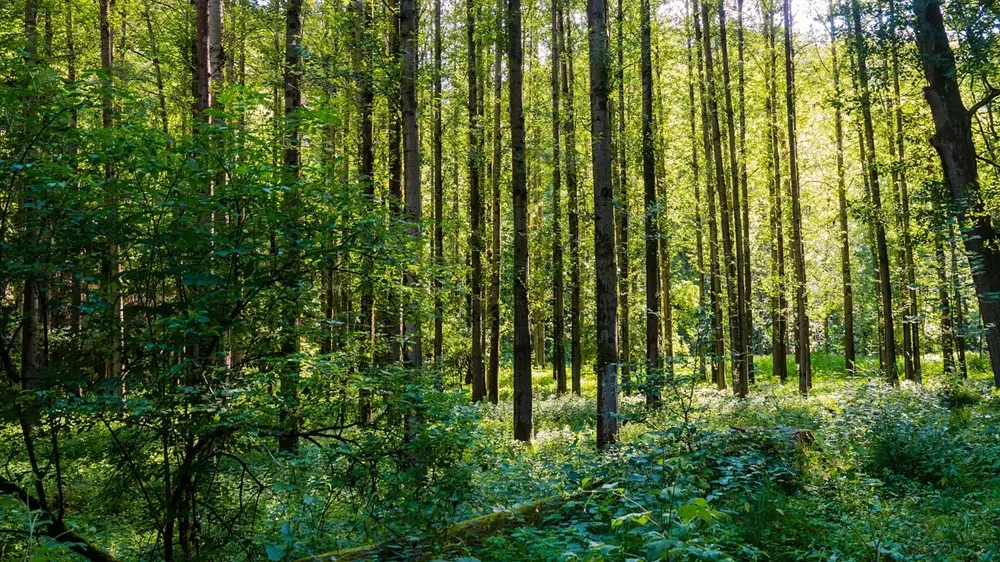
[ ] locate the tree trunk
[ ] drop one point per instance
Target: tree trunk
(741, 382)
(944, 306)
(779, 332)
(748, 338)
(606, 271)
(408, 24)
(494, 301)
(438, 194)
(692, 14)
(475, 209)
(559, 310)
(802, 350)
(653, 366)
(725, 220)
(621, 208)
(365, 98)
(957, 151)
(523, 425)
(288, 392)
(958, 324)
(888, 327)
(845, 244)
(572, 187)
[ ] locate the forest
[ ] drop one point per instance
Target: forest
(498, 280)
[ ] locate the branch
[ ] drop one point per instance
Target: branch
(58, 530)
(990, 96)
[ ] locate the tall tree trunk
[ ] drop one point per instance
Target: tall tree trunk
(845, 243)
(957, 151)
(803, 351)
(110, 265)
(741, 382)
(604, 226)
(289, 392)
(621, 209)
(662, 224)
(572, 187)
(725, 220)
(911, 320)
(944, 306)
(958, 325)
(888, 327)
(523, 425)
(365, 98)
(653, 366)
(559, 310)
(408, 25)
(438, 194)
(748, 346)
(475, 209)
(494, 301)
(154, 54)
(718, 344)
(779, 333)
(692, 16)
(392, 322)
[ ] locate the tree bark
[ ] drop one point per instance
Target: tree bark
(779, 305)
(523, 425)
(493, 306)
(572, 187)
(957, 151)
(696, 180)
(408, 25)
(653, 365)
(475, 209)
(606, 270)
(559, 310)
(621, 209)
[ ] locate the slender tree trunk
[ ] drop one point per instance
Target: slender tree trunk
(438, 194)
(523, 425)
(365, 98)
(494, 303)
(741, 382)
(944, 306)
(718, 345)
(748, 332)
(559, 310)
(725, 219)
(798, 247)
(572, 187)
(779, 334)
(408, 25)
(621, 209)
(289, 392)
(845, 244)
(653, 365)
(662, 225)
(154, 53)
(692, 15)
(604, 226)
(957, 151)
(475, 209)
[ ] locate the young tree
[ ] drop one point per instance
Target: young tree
(493, 307)
(621, 207)
(475, 209)
(438, 170)
(572, 187)
(606, 270)
(408, 26)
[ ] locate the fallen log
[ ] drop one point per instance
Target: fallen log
(471, 532)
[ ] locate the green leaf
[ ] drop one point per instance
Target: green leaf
(274, 552)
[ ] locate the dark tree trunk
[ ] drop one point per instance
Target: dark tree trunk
(958, 325)
(944, 306)
(475, 209)
(748, 342)
(653, 365)
(408, 24)
(559, 310)
(288, 391)
(957, 151)
(696, 180)
(606, 270)
(523, 425)
(885, 287)
(802, 350)
(779, 305)
(365, 98)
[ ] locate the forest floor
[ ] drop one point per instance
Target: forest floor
(882, 474)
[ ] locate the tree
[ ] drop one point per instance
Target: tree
(439, 191)
(523, 425)
(572, 187)
(957, 151)
(653, 363)
(493, 306)
(885, 286)
(408, 23)
(559, 310)
(606, 270)
(475, 209)
(620, 164)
